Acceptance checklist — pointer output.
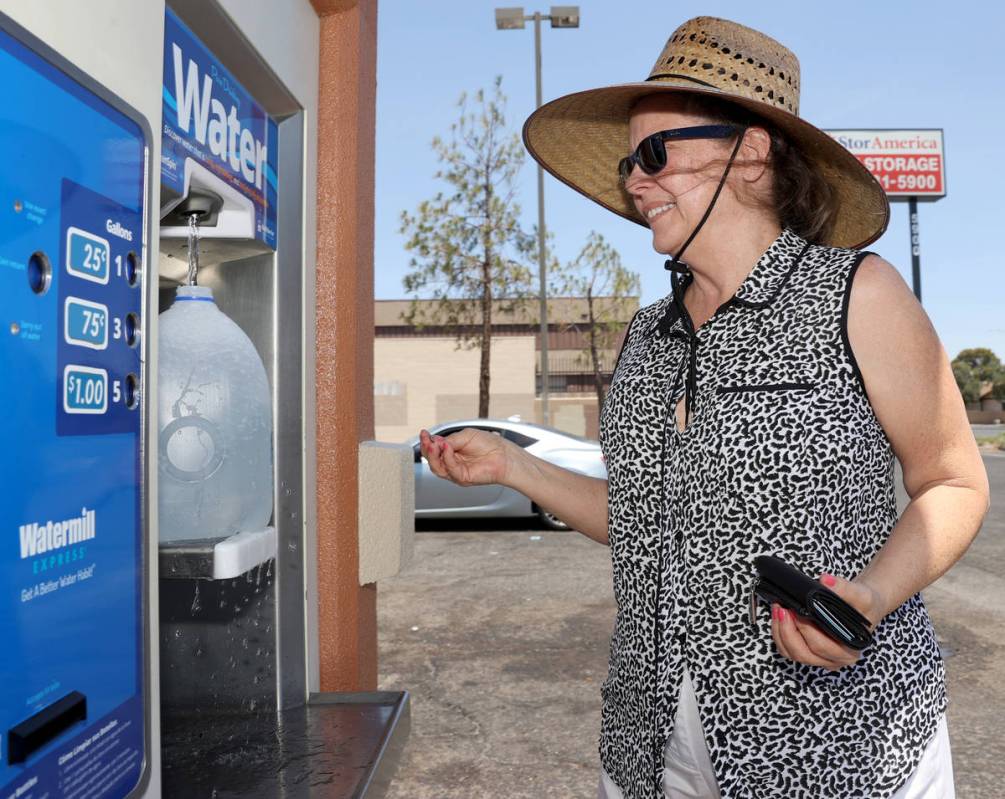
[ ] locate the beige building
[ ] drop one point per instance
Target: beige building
(422, 377)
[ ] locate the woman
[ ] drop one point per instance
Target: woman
(756, 409)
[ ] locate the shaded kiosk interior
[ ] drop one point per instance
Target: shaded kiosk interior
(237, 715)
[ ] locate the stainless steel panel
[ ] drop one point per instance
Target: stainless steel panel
(289, 428)
(245, 291)
(218, 651)
(263, 294)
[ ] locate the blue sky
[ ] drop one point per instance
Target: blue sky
(864, 65)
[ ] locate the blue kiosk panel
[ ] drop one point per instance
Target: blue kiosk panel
(73, 715)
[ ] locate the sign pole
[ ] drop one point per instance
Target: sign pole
(912, 206)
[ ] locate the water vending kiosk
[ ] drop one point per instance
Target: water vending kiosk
(173, 188)
(74, 229)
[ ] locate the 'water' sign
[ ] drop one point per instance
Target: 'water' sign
(212, 120)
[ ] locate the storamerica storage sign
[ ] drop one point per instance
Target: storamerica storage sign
(907, 163)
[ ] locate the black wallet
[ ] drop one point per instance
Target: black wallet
(779, 582)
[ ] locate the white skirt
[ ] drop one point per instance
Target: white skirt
(688, 773)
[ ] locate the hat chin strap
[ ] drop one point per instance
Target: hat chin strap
(674, 263)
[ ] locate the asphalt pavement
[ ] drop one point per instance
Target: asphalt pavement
(967, 605)
(501, 633)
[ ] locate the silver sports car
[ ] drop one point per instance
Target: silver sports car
(441, 498)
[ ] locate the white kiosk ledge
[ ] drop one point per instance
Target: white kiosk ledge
(217, 558)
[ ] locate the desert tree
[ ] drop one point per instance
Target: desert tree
(597, 275)
(468, 248)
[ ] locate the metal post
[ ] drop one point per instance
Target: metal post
(912, 205)
(541, 238)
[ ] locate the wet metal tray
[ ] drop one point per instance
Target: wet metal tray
(339, 746)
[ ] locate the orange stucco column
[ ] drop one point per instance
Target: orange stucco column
(344, 374)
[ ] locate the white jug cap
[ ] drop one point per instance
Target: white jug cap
(195, 292)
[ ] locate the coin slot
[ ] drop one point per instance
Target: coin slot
(132, 393)
(33, 733)
(132, 329)
(132, 268)
(39, 272)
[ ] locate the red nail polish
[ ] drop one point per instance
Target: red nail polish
(828, 579)
(781, 614)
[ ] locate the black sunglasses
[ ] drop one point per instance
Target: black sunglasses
(651, 154)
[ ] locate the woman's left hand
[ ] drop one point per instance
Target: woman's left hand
(801, 640)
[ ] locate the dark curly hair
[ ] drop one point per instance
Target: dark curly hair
(800, 197)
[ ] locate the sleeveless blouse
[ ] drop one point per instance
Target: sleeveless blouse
(782, 455)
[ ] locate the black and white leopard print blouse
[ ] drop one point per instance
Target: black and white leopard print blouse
(782, 455)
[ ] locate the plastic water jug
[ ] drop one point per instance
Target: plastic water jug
(215, 423)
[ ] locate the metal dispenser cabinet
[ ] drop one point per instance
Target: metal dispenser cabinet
(234, 649)
(75, 687)
(220, 588)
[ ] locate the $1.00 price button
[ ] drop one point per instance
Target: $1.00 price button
(85, 389)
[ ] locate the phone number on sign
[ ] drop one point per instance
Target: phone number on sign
(909, 182)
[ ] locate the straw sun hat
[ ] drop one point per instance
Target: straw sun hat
(581, 137)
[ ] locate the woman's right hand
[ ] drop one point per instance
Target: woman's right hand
(468, 457)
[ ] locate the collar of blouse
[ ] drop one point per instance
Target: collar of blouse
(758, 289)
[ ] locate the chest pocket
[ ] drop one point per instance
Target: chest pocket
(763, 428)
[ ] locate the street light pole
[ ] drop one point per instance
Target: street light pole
(541, 233)
(509, 19)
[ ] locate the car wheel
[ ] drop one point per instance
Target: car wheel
(551, 521)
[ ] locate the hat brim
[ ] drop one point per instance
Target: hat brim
(579, 138)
